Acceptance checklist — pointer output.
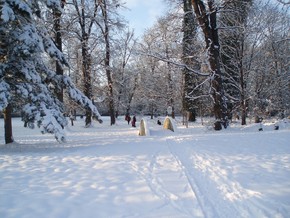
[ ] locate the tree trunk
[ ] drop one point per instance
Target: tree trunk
(58, 43)
(170, 92)
(131, 95)
(234, 17)
(86, 25)
(242, 97)
(107, 64)
(208, 22)
(111, 106)
(170, 99)
(244, 113)
(190, 80)
(87, 78)
(110, 83)
(192, 116)
(8, 124)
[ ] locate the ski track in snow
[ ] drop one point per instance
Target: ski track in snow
(206, 208)
(113, 172)
(217, 193)
(155, 174)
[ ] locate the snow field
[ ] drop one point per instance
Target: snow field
(110, 171)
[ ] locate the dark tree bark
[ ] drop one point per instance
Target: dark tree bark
(8, 124)
(107, 62)
(207, 20)
(170, 100)
(131, 95)
(110, 80)
(58, 43)
(87, 86)
(190, 80)
(232, 55)
(86, 28)
(7, 111)
(243, 104)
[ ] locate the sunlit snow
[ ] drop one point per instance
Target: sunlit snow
(110, 171)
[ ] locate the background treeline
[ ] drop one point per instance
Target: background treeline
(146, 75)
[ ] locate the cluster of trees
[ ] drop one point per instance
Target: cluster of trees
(228, 59)
(233, 60)
(219, 58)
(27, 79)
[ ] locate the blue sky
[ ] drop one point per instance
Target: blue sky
(143, 13)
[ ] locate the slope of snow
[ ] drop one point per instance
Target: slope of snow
(110, 171)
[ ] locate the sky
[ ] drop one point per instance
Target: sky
(142, 14)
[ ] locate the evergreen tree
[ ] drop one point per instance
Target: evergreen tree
(24, 74)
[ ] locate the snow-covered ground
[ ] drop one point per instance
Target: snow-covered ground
(110, 171)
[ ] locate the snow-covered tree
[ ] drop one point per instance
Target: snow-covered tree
(233, 47)
(269, 79)
(189, 57)
(84, 13)
(206, 14)
(24, 73)
(58, 42)
(161, 49)
(91, 25)
(123, 67)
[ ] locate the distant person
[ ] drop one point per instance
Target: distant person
(158, 122)
(128, 118)
(71, 117)
(134, 121)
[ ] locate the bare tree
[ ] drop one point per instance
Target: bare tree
(191, 80)
(109, 19)
(124, 48)
(161, 49)
(86, 15)
(151, 92)
(233, 39)
(270, 65)
(207, 19)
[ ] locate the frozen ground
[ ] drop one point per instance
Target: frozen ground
(110, 171)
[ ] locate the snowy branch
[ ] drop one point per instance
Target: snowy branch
(181, 65)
